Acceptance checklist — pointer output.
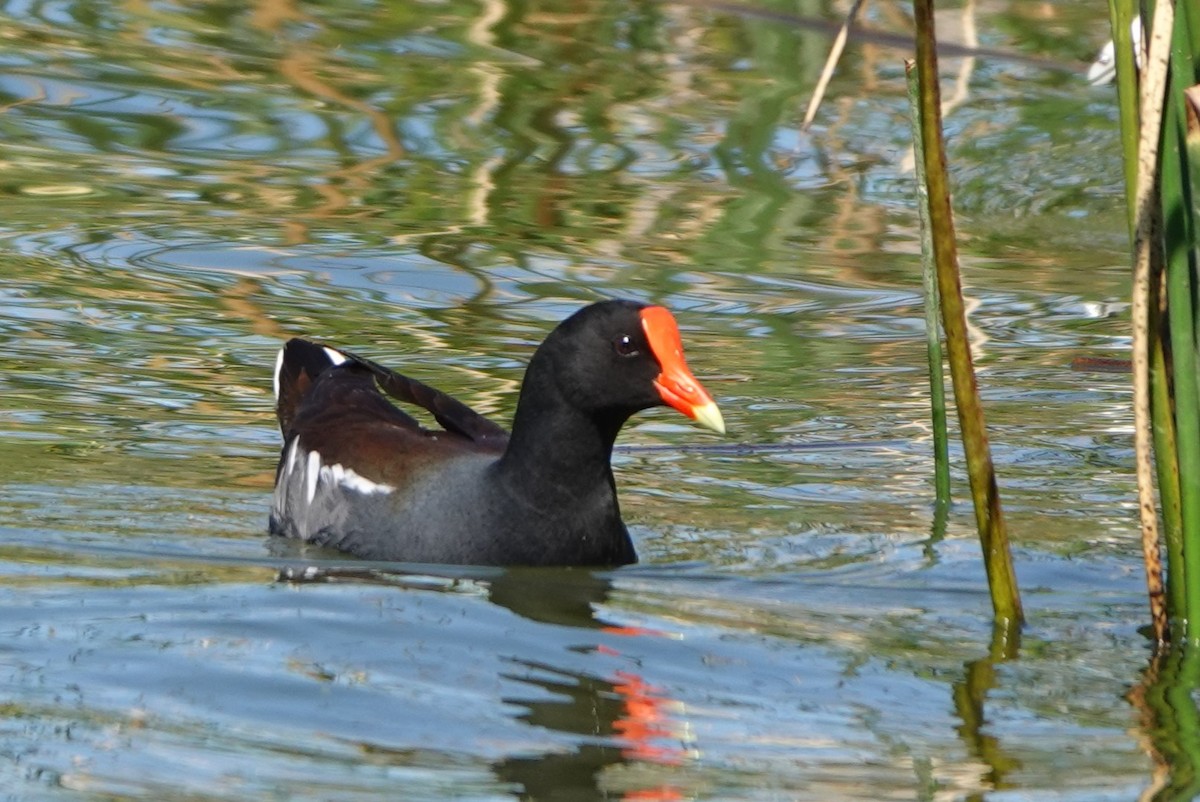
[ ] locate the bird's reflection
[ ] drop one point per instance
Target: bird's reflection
(618, 717)
(623, 720)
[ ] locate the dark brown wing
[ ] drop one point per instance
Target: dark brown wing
(450, 413)
(302, 361)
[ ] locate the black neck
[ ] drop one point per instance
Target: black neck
(558, 453)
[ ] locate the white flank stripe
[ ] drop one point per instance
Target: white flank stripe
(361, 484)
(293, 449)
(278, 370)
(312, 473)
(347, 479)
(336, 357)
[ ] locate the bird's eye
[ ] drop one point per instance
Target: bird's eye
(625, 346)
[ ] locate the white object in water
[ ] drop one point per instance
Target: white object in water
(1104, 68)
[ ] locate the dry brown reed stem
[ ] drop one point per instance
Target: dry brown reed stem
(835, 54)
(1153, 90)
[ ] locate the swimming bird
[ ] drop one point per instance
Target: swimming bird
(358, 474)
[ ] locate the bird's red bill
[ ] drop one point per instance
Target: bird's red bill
(676, 384)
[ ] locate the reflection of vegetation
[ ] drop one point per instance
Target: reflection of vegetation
(491, 140)
(970, 694)
(1165, 701)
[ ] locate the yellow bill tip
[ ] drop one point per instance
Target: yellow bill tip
(709, 416)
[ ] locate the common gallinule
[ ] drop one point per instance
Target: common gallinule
(358, 474)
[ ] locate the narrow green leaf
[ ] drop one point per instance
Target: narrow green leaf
(933, 342)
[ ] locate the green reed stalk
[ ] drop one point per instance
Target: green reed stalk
(1179, 233)
(989, 518)
(1122, 13)
(1189, 20)
(933, 341)
(1179, 239)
